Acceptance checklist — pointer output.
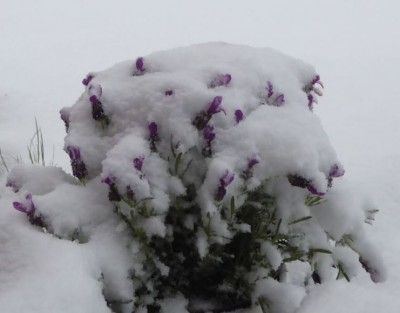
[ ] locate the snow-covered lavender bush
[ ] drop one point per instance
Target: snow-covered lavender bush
(207, 182)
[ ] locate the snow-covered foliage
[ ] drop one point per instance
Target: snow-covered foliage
(205, 182)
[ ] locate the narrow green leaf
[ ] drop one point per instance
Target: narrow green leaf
(320, 251)
(300, 220)
(177, 161)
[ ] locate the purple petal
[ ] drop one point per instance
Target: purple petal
(221, 80)
(270, 89)
(315, 80)
(280, 100)
(153, 130)
(95, 90)
(20, 207)
(238, 116)
(336, 171)
(138, 163)
(253, 161)
(87, 79)
(74, 153)
(109, 180)
(226, 179)
(169, 92)
(209, 134)
(215, 106)
(140, 64)
(311, 188)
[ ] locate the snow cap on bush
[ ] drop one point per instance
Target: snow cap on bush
(218, 205)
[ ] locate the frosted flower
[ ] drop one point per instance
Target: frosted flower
(140, 65)
(336, 171)
(209, 136)
(248, 172)
(298, 181)
(221, 80)
(238, 116)
(113, 194)
(78, 167)
(29, 209)
(215, 106)
(270, 89)
(279, 100)
(87, 79)
(138, 163)
(204, 117)
(153, 135)
(12, 184)
(169, 92)
(95, 92)
(224, 181)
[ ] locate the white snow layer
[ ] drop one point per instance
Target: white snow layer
(170, 89)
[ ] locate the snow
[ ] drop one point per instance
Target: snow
(358, 112)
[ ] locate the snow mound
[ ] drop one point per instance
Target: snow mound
(204, 178)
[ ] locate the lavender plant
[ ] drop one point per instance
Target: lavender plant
(220, 205)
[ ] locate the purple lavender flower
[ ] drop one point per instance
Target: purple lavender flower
(153, 135)
(95, 92)
(224, 181)
(316, 80)
(215, 106)
(248, 172)
(312, 189)
(78, 167)
(12, 184)
(140, 65)
(29, 209)
(87, 79)
(221, 80)
(238, 116)
(113, 194)
(270, 89)
(336, 171)
(299, 181)
(209, 136)
(169, 92)
(138, 163)
(310, 98)
(279, 100)
(204, 117)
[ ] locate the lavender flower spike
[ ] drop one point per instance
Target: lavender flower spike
(87, 79)
(78, 167)
(224, 181)
(215, 106)
(221, 80)
(209, 134)
(279, 100)
(238, 116)
(29, 209)
(140, 64)
(270, 89)
(336, 171)
(138, 163)
(153, 135)
(95, 91)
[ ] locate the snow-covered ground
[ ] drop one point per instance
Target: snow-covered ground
(47, 47)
